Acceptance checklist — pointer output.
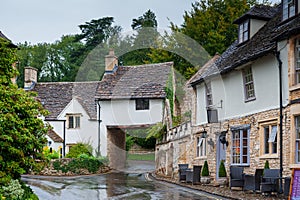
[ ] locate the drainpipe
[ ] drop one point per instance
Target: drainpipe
(281, 119)
(99, 126)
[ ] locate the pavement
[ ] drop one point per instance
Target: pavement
(224, 192)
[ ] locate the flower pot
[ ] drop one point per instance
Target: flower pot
(205, 179)
(222, 181)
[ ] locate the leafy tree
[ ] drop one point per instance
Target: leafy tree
(210, 23)
(97, 31)
(22, 133)
(145, 37)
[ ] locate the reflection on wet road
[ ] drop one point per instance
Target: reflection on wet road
(109, 186)
(133, 183)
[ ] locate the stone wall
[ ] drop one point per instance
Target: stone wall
(184, 149)
(50, 171)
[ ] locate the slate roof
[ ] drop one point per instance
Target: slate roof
(130, 82)
(261, 44)
(55, 96)
(262, 12)
(54, 136)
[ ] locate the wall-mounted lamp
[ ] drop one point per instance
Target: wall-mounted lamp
(49, 143)
(222, 138)
(204, 134)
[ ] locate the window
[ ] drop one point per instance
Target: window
(201, 146)
(209, 101)
(240, 147)
(73, 121)
(244, 31)
(297, 60)
(270, 139)
(297, 128)
(248, 84)
(142, 104)
(289, 9)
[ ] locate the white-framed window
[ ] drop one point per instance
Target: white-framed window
(240, 147)
(270, 139)
(248, 84)
(288, 8)
(73, 121)
(201, 146)
(142, 104)
(208, 92)
(297, 128)
(244, 31)
(297, 60)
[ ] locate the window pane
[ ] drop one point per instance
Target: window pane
(77, 122)
(71, 122)
(298, 152)
(266, 143)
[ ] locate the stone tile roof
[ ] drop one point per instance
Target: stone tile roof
(54, 136)
(262, 12)
(55, 96)
(129, 82)
(261, 44)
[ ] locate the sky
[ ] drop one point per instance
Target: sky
(39, 21)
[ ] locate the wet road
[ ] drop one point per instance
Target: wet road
(117, 185)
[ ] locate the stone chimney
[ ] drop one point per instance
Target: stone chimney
(30, 78)
(111, 62)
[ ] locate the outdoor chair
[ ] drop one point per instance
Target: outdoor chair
(236, 177)
(252, 182)
(196, 173)
(182, 171)
(269, 181)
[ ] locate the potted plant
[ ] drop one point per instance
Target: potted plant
(205, 178)
(222, 174)
(267, 166)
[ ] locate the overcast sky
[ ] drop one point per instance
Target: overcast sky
(39, 21)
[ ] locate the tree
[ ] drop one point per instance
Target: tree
(145, 27)
(22, 133)
(97, 31)
(210, 23)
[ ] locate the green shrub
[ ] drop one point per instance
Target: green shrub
(92, 164)
(222, 170)
(205, 170)
(267, 166)
(13, 190)
(78, 149)
(50, 155)
(129, 142)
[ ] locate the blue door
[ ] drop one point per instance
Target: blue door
(221, 155)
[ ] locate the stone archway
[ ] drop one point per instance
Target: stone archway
(116, 148)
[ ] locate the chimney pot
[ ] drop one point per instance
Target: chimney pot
(111, 61)
(30, 77)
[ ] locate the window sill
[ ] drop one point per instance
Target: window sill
(250, 99)
(294, 87)
(242, 165)
(292, 166)
(201, 158)
(269, 156)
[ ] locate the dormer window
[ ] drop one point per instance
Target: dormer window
(289, 9)
(244, 31)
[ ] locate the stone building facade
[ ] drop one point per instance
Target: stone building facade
(235, 104)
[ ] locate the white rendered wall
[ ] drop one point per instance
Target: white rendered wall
(123, 112)
(88, 131)
(229, 88)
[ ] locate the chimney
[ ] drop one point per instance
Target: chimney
(111, 62)
(30, 78)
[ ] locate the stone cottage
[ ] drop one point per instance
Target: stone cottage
(245, 102)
